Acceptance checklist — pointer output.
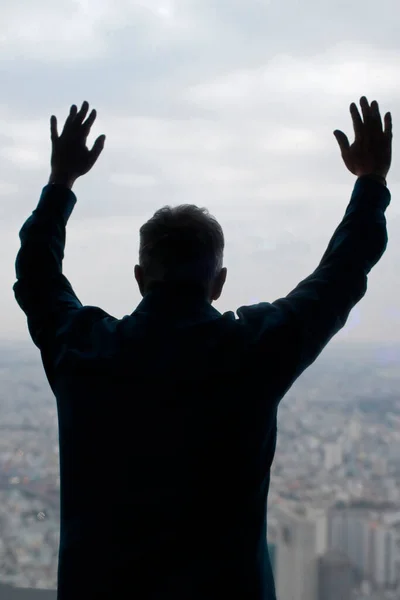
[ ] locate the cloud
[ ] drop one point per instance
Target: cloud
(335, 75)
(226, 104)
(7, 189)
(133, 180)
(64, 27)
(83, 30)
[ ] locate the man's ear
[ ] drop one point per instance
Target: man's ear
(219, 283)
(139, 276)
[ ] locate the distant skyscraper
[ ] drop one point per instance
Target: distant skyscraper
(384, 555)
(354, 430)
(372, 546)
(349, 534)
(336, 577)
(333, 456)
(297, 555)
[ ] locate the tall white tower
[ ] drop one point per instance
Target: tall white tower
(298, 547)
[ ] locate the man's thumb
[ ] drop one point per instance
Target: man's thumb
(341, 140)
(97, 149)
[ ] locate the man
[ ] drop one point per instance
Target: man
(167, 418)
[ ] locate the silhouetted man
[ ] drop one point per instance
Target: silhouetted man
(167, 417)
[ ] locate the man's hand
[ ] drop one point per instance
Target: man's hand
(371, 151)
(70, 157)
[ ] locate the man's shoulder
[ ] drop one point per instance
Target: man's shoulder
(263, 314)
(252, 320)
(93, 314)
(246, 314)
(86, 321)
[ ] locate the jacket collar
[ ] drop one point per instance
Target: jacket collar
(176, 299)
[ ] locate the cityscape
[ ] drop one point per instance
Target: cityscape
(334, 502)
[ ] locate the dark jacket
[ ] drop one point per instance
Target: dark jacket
(167, 417)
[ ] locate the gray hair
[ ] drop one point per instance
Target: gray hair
(182, 244)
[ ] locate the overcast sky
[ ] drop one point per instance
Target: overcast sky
(228, 104)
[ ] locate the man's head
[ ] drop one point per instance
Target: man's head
(182, 245)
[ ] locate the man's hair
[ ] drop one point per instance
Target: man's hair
(183, 244)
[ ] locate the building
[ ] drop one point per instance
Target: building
(348, 533)
(384, 555)
(335, 577)
(332, 456)
(371, 541)
(300, 540)
(354, 430)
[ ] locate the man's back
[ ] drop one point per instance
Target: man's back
(169, 428)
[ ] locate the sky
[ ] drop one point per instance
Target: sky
(228, 104)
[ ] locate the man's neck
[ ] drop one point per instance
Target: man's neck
(183, 290)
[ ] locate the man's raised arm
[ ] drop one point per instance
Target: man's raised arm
(41, 290)
(309, 316)
(320, 305)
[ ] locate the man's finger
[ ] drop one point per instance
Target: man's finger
(82, 113)
(53, 128)
(71, 117)
(89, 121)
(388, 125)
(357, 121)
(342, 140)
(376, 116)
(366, 110)
(97, 149)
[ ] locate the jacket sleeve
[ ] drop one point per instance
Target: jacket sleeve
(311, 314)
(41, 290)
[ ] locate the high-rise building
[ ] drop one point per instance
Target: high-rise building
(348, 533)
(333, 456)
(384, 555)
(299, 540)
(354, 430)
(371, 543)
(336, 577)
